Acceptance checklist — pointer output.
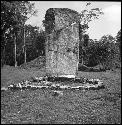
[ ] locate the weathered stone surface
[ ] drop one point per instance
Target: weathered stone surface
(62, 31)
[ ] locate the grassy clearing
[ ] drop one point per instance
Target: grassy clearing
(11, 74)
(74, 107)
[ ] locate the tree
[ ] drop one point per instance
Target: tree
(118, 39)
(102, 53)
(40, 43)
(31, 14)
(82, 48)
(107, 39)
(35, 44)
(31, 33)
(91, 54)
(109, 56)
(13, 14)
(86, 16)
(86, 40)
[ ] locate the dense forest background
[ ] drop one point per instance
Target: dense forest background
(21, 43)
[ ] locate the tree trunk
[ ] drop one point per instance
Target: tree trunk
(15, 50)
(3, 57)
(24, 47)
(4, 52)
(82, 61)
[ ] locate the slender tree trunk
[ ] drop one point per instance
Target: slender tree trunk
(24, 47)
(25, 55)
(82, 61)
(4, 52)
(78, 59)
(3, 56)
(15, 50)
(82, 56)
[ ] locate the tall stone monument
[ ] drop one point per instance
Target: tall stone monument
(62, 41)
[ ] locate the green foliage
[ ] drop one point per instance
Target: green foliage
(113, 59)
(118, 40)
(13, 16)
(14, 13)
(85, 40)
(104, 52)
(40, 43)
(87, 16)
(107, 39)
(35, 42)
(118, 37)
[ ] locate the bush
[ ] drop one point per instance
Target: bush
(105, 54)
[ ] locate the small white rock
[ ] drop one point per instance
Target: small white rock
(59, 92)
(4, 88)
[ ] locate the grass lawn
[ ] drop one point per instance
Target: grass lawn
(73, 107)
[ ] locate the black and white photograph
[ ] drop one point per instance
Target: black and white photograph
(60, 62)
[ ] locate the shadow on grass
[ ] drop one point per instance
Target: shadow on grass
(84, 68)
